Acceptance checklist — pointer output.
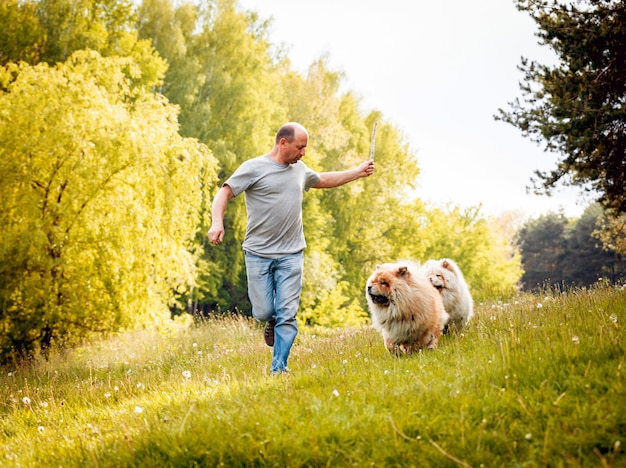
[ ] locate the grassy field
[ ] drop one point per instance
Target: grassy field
(538, 381)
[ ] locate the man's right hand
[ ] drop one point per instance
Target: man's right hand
(216, 234)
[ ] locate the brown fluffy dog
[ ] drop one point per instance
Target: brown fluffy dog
(405, 307)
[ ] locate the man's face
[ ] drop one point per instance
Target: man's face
(294, 151)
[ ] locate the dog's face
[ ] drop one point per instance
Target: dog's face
(438, 280)
(380, 286)
(441, 275)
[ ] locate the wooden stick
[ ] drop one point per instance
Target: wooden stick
(373, 142)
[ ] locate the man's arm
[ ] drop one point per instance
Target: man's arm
(216, 233)
(335, 179)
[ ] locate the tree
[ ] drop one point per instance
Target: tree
(611, 231)
(585, 260)
(484, 253)
(101, 200)
(21, 35)
(577, 106)
(570, 253)
(222, 76)
(542, 243)
(50, 31)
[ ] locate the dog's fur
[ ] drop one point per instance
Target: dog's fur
(446, 276)
(405, 308)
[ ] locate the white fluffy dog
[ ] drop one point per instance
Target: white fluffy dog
(446, 276)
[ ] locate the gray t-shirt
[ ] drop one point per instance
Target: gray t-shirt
(273, 194)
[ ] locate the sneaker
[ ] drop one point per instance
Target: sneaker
(268, 333)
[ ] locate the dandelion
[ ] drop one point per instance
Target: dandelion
(575, 339)
(40, 429)
(345, 361)
(26, 401)
(138, 410)
(43, 404)
(195, 345)
(528, 436)
(10, 374)
(613, 318)
(107, 395)
(539, 306)
(186, 374)
(140, 386)
(116, 388)
(336, 392)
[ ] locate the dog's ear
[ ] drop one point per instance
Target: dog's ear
(447, 265)
(402, 271)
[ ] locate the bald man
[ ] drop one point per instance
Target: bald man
(273, 186)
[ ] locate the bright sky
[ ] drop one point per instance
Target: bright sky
(438, 71)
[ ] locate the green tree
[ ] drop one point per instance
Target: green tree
(543, 243)
(21, 35)
(585, 260)
(50, 31)
(577, 106)
(101, 200)
(490, 265)
(611, 231)
(224, 79)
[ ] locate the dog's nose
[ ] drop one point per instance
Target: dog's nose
(369, 289)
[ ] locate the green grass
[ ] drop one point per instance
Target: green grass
(538, 381)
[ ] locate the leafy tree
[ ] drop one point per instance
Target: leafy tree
(101, 199)
(577, 106)
(50, 31)
(542, 243)
(485, 255)
(611, 231)
(21, 35)
(566, 253)
(223, 77)
(585, 260)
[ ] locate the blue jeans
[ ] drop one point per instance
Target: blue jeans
(274, 286)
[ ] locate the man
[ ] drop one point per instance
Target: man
(273, 186)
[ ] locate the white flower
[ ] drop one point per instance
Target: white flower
(26, 401)
(43, 404)
(539, 306)
(107, 395)
(186, 374)
(528, 436)
(613, 318)
(40, 429)
(138, 410)
(575, 339)
(336, 392)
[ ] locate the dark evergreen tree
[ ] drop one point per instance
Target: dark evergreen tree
(585, 260)
(576, 107)
(542, 244)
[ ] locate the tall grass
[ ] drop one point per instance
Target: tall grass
(538, 381)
